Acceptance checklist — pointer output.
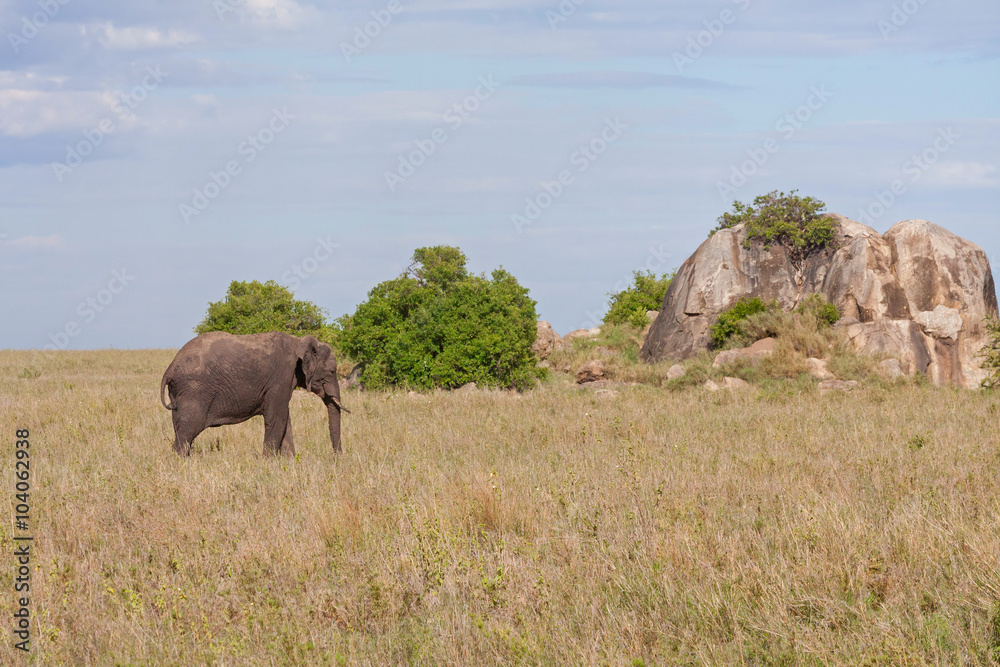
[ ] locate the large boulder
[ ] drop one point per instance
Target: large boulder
(918, 293)
(591, 371)
(950, 290)
(547, 340)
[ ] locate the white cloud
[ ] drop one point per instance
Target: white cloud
(278, 13)
(34, 242)
(136, 38)
(26, 113)
(31, 80)
(964, 175)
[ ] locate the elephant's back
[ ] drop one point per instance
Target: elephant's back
(238, 357)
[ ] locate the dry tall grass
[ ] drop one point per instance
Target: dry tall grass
(557, 527)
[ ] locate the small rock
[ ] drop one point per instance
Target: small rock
(837, 385)
(591, 371)
(676, 371)
(726, 357)
(711, 386)
(734, 384)
(762, 348)
(652, 315)
(817, 369)
(890, 369)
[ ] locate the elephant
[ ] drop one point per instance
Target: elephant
(220, 378)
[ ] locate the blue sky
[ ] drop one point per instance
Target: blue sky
(657, 114)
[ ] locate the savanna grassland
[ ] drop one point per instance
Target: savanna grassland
(653, 526)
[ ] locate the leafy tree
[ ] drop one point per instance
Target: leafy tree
(788, 220)
(436, 325)
(440, 266)
(631, 304)
(255, 307)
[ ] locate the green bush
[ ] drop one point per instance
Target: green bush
(751, 320)
(437, 325)
(816, 305)
(631, 304)
(990, 354)
(784, 219)
(254, 307)
(728, 324)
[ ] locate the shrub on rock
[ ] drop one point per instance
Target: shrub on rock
(786, 219)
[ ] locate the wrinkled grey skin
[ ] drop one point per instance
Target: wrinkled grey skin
(219, 378)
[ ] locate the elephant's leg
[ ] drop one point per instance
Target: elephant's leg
(187, 426)
(274, 433)
(287, 444)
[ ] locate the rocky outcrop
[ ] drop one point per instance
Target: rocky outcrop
(547, 340)
(918, 294)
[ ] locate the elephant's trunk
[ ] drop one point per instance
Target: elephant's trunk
(333, 409)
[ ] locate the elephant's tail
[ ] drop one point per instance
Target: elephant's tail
(163, 385)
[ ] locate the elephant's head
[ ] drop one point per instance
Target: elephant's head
(317, 372)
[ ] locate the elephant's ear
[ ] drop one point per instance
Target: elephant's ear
(309, 358)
